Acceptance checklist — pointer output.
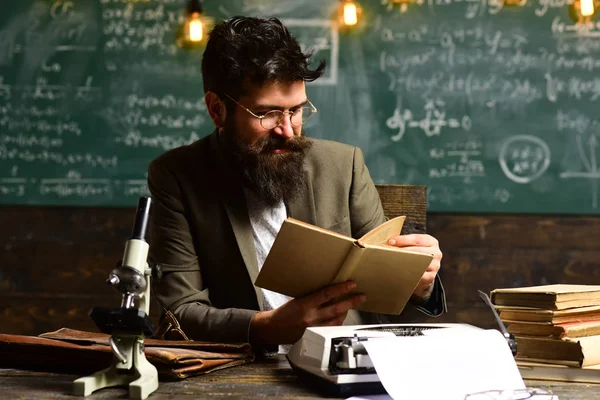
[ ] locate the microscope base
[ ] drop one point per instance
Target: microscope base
(138, 372)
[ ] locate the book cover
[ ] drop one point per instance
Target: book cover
(552, 297)
(305, 258)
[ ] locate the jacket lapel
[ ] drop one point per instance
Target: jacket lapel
(235, 205)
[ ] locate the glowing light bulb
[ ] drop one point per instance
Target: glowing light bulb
(350, 13)
(586, 8)
(195, 28)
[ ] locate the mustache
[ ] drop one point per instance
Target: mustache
(275, 142)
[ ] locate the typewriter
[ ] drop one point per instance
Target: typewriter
(335, 360)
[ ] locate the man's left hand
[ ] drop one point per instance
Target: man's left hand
(425, 244)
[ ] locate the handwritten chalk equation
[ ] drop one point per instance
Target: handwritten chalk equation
(461, 160)
(590, 163)
(13, 187)
(524, 158)
(431, 124)
(135, 139)
(452, 195)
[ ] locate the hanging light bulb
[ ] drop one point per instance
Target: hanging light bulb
(349, 13)
(515, 3)
(582, 11)
(586, 8)
(194, 29)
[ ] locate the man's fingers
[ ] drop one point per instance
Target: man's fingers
(427, 280)
(340, 308)
(419, 249)
(329, 293)
(415, 239)
(425, 284)
(337, 321)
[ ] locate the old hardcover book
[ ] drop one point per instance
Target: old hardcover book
(551, 297)
(581, 352)
(305, 258)
(554, 372)
(554, 316)
(548, 329)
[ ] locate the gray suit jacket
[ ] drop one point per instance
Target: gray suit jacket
(200, 232)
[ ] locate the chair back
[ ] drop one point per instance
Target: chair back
(408, 200)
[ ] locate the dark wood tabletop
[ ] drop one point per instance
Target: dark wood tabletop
(267, 377)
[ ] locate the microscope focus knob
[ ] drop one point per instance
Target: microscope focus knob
(113, 280)
(127, 280)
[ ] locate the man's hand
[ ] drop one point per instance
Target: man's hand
(287, 323)
(425, 244)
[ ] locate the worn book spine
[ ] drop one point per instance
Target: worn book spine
(350, 263)
(585, 350)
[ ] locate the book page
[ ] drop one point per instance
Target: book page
(384, 232)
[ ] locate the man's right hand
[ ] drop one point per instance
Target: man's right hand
(287, 323)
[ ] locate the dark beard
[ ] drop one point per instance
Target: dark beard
(272, 177)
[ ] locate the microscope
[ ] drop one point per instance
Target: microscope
(129, 324)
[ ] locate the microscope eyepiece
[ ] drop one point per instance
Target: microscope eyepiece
(141, 219)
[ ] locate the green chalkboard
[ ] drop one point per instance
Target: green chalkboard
(495, 108)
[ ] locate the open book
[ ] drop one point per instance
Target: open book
(305, 258)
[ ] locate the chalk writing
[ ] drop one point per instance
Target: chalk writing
(45, 156)
(524, 158)
(589, 160)
(75, 187)
(167, 101)
(431, 124)
(22, 140)
(164, 142)
(13, 187)
(136, 188)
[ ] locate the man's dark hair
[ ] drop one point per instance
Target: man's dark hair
(256, 51)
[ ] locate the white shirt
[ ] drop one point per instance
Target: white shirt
(266, 222)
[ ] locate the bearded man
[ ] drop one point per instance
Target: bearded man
(219, 202)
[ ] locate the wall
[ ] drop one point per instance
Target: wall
(55, 261)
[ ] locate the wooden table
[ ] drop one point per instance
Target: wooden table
(269, 377)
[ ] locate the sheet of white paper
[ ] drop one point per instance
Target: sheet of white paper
(445, 364)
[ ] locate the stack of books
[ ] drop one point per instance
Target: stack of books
(557, 329)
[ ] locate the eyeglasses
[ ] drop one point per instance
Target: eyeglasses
(273, 118)
(518, 394)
